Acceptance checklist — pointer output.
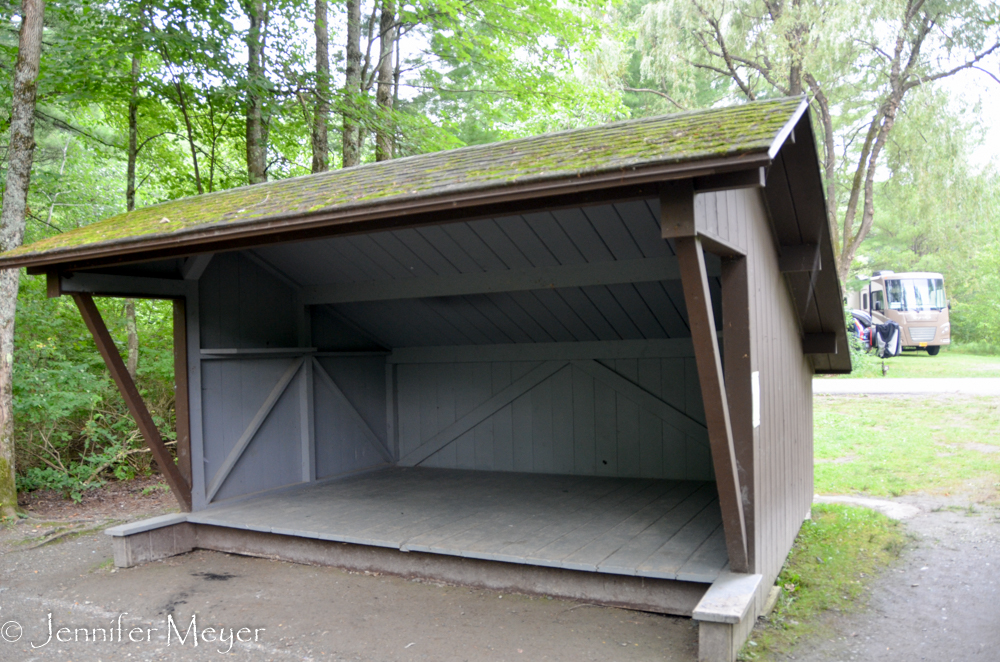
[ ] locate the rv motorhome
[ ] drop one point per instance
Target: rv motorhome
(914, 300)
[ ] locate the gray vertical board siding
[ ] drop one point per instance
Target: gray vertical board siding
(563, 450)
(341, 444)
(605, 430)
(627, 418)
(362, 380)
(584, 425)
(568, 423)
(242, 305)
(232, 393)
(408, 408)
(503, 420)
(651, 446)
(542, 442)
(273, 458)
(783, 450)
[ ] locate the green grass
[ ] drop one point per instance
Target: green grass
(949, 363)
(835, 556)
(888, 446)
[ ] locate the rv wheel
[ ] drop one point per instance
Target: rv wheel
(933, 350)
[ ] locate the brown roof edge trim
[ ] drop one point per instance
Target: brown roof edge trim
(190, 240)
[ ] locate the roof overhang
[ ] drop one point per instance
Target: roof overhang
(793, 193)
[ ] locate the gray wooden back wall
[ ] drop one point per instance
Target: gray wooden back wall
(635, 417)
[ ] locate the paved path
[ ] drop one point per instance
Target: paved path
(886, 385)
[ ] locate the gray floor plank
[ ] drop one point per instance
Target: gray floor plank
(668, 560)
(674, 524)
(597, 519)
(600, 545)
(646, 527)
(707, 561)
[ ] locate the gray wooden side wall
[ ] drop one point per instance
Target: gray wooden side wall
(601, 417)
(783, 444)
(273, 411)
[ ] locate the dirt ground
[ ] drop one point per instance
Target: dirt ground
(942, 602)
(301, 612)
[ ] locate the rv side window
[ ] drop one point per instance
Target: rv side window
(864, 301)
(878, 302)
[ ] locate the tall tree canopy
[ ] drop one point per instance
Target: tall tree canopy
(858, 60)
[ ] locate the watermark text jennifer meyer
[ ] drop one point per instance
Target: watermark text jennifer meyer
(118, 633)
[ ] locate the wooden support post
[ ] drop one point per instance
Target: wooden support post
(181, 394)
(694, 279)
(739, 389)
(106, 346)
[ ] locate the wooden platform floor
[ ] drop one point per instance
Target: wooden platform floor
(627, 526)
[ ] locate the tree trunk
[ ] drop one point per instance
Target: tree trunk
(256, 140)
(20, 153)
(384, 133)
(351, 142)
(133, 134)
(320, 146)
(132, 360)
(133, 148)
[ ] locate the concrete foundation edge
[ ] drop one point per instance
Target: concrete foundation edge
(722, 642)
(662, 596)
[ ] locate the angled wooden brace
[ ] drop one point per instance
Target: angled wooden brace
(106, 346)
(678, 223)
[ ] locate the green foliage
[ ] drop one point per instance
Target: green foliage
(835, 557)
(935, 212)
(72, 429)
(864, 360)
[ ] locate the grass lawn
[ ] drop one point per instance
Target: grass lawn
(888, 446)
(834, 557)
(946, 364)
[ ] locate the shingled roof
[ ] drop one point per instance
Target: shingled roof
(620, 149)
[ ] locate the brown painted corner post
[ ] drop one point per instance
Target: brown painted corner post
(697, 297)
(736, 351)
(181, 405)
(106, 346)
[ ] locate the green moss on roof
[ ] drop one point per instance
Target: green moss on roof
(690, 136)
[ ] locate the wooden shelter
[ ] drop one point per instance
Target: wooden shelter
(578, 364)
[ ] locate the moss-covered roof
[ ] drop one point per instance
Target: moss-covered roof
(622, 146)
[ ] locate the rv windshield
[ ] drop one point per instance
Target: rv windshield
(915, 293)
